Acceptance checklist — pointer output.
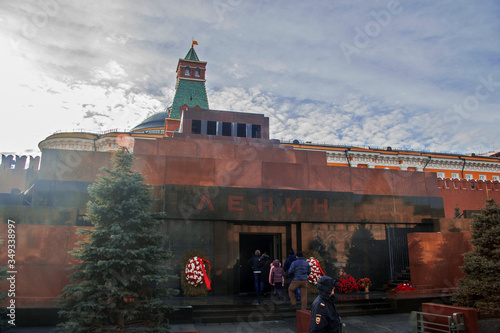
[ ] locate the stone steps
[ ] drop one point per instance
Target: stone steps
(265, 311)
(268, 310)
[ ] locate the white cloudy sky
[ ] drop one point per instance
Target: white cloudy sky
(419, 75)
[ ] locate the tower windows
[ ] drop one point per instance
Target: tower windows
(187, 71)
(241, 130)
(226, 129)
(256, 131)
(196, 126)
(211, 127)
(197, 71)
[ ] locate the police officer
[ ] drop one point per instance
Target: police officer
(324, 315)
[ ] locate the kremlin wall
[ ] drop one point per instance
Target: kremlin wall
(227, 189)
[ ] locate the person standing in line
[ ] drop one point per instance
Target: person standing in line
(324, 315)
(254, 262)
(276, 278)
(265, 263)
(286, 266)
(300, 270)
(288, 262)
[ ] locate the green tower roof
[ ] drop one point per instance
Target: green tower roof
(191, 93)
(191, 55)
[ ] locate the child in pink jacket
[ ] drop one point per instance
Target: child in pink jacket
(276, 277)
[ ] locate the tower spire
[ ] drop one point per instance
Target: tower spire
(190, 91)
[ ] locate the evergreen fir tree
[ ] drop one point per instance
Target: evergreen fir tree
(121, 281)
(360, 252)
(328, 254)
(366, 256)
(480, 287)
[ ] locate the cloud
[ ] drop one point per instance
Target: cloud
(357, 122)
(101, 65)
(112, 71)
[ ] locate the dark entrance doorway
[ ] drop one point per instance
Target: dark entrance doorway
(269, 243)
(397, 240)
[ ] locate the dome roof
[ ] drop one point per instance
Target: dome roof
(155, 121)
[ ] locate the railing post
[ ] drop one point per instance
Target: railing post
(414, 321)
(459, 322)
(438, 323)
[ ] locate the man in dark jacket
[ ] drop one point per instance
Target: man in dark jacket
(288, 262)
(324, 315)
(291, 258)
(254, 262)
(300, 270)
(265, 268)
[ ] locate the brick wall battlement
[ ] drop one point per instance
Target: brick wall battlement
(466, 194)
(468, 185)
(20, 162)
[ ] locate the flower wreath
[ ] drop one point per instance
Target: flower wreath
(196, 273)
(404, 287)
(347, 284)
(316, 271)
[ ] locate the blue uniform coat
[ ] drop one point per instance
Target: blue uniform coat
(324, 315)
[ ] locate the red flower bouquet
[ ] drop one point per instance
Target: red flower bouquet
(347, 284)
(364, 283)
(404, 287)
